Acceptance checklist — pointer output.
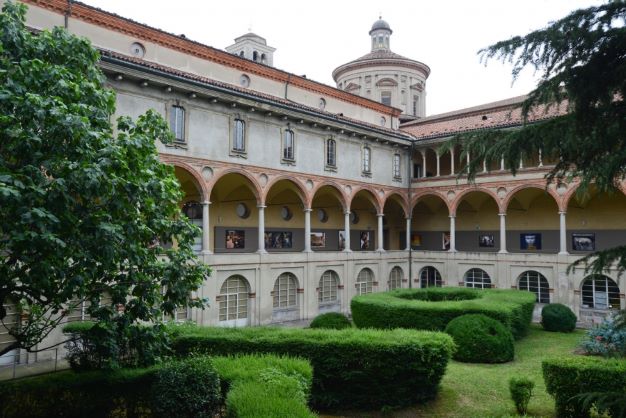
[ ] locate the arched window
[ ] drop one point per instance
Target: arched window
(193, 211)
(600, 292)
(331, 149)
(255, 56)
(395, 278)
(288, 145)
(177, 122)
(364, 282)
(430, 277)
(233, 299)
(263, 58)
(239, 136)
(535, 282)
(329, 283)
(285, 291)
(477, 278)
(367, 159)
(241, 54)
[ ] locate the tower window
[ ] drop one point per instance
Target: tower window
(415, 102)
(255, 56)
(385, 98)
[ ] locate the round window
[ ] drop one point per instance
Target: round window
(244, 80)
(322, 215)
(322, 103)
(137, 50)
(286, 213)
(354, 217)
(242, 211)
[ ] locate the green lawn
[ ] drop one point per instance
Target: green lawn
(480, 390)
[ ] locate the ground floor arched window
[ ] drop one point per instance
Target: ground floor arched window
(430, 277)
(233, 299)
(600, 292)
(365, 282)
(535, 282)
(328, 287)
(477, 278)
(285, 292)
(395, 278)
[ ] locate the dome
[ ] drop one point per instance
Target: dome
(380, 24)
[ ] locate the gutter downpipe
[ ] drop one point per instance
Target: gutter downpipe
(68, 13)
(410, 214)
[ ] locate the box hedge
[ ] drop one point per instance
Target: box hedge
(433, 308)
(568, 378)
(481, 339)
(353, 368)
(130, 392)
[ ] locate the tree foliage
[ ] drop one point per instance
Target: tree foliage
(576, 115)
(84, 209)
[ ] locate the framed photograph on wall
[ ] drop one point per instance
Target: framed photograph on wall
(445, 241)
(278, 240)
(486, 241)
(416, 240)
(235, 239)
(318, 239)
(342, 240)
(584, 242)
(530, 242)
(365, 240)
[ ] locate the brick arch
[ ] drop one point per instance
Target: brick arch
(300, 189)
(199, 181)
(567, 197)
(255, 186)
(511, 194)
(374, 198)
(403, 201)
(416, 198)
(343, 199)
(457, 200)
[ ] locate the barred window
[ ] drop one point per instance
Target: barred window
(430, 277)
(395, 278)
(477, 278)
(285, 291)
(331, 149)
(233, 299)
(177, 122)
(364, 282)
(600, 292)
(328, 287)
(367, 159)
(239, 136)
(535, 282)
(396, 166)
(288, 145)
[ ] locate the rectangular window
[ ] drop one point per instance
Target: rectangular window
(385, 98)
(415, 102)
(367, 160)
(239, 136)
(396, 166)
(288, 145)
(331, 146)
(177, 123)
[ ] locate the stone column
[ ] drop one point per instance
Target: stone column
(502, 233)
(438, 164)
(502, 164)
(408, 234)
(540, 158)
(307, 230)
(423, 163)
(562, 234)
(467, 159)
(346, 231)
(484, 166)
(452, 161)
(206, 237)
(379, 234)
(261, 229)
(452, 234)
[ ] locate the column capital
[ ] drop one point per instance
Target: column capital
(307, 210)
(380, 215)
(452, 216)
(205, 203)
(346, 212)
(562, 212)
(502, 214)
(261, 206)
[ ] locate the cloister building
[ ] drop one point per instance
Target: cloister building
(308, 195)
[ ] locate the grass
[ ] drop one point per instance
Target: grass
(482, 390)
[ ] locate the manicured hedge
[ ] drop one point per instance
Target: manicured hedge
(557, 317)
(433, 308)
(128, 392)
(481, 339)
(352, 368)
(569, 377)
(331, 320)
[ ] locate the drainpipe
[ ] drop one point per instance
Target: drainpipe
(68, 13)
(287, 85)
(410, 214)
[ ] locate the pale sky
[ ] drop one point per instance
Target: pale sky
(315, 37)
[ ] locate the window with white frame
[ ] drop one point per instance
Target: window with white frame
(288, 145)
(430, 277)
(233, 299)
(364, 282)
(600, 292)
(331, 152)
(396, 167)
(177, 122)
(395, 278)
(77, 310)
(477, 279)
(239, 135)
(328, 287)
(367, 159)
(285, 292)
(535, 282)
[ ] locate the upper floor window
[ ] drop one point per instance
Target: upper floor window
(385, 98)
(396, 166)
(367, 160)
(288, 145)
(415, 102)
(177, 122)
(239, 136)
(331, 152)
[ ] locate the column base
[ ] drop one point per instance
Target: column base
(563, 253)
(206, 252)
(380, 250)
(503, 252)
(261, 251)
(307, 251)
(453, 250)
(347, 250)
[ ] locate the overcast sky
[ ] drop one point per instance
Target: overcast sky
(315, 37)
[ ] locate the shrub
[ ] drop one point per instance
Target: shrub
(521, 389)
(360, 368)
(568, 378)
(605, 340)
(186, 388)
(331, 320)
(481, 339)
(557, 317)
(433, 308)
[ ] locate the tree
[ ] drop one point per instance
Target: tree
(84, 211)
(582, 62)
